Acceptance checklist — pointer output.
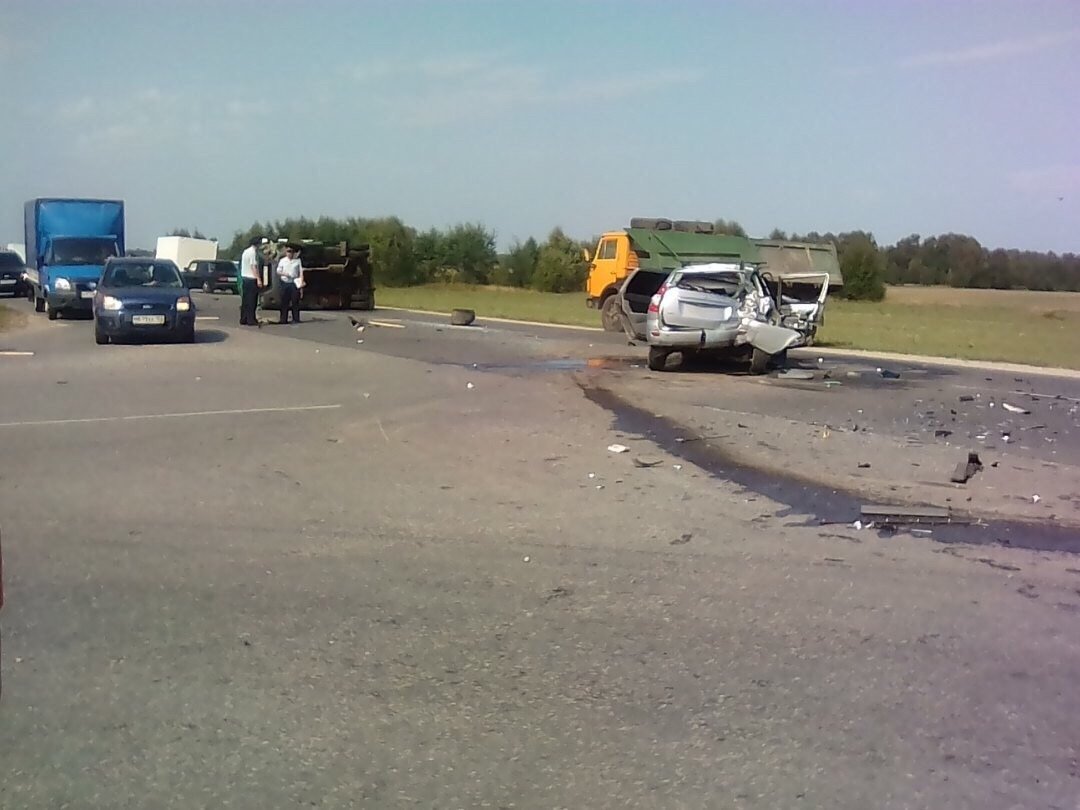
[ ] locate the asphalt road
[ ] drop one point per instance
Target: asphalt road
(283, 568)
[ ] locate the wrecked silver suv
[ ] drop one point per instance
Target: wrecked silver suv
(729, 309)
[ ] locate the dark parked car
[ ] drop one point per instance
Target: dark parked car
(211, 275)
(12, 270)
(143, 298)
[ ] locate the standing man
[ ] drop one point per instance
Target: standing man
(250, 283)
(291, 276)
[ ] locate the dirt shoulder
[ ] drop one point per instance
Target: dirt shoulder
(11, 319)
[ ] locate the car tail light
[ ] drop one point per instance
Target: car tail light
(654, 302)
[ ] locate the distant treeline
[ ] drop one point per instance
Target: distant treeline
(404, 256)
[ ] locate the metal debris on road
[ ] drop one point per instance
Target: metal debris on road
(864, 465)
(966, 398)
(1014, 408)
(795, 374)
(942, 433)
(899, 514)
(525, 558)
(682, 540)
(966, 469)
(618, 448)
(889, 375)
(642, 463)
(1035, 499)
(470, 386)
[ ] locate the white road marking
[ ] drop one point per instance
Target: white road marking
(16, 354)
(146, 416)
(207, 318)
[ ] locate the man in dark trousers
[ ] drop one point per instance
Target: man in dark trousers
(290, 274)
(250, 282)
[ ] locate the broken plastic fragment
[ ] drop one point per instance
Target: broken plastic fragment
(618, 448)
(1013, 408)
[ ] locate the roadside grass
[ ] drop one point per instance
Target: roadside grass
(10, 318)
(1037, 328)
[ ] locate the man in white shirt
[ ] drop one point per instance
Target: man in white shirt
(250, 282)
(290, 274)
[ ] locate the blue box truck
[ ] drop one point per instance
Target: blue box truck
(67, 243)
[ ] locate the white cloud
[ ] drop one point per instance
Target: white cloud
(993, 51)
(455, 87)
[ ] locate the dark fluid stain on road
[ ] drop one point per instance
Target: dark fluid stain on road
(825, 505)
(559, 364)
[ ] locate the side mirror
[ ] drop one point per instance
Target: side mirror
(586, 255)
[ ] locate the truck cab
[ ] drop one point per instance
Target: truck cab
(68, 242)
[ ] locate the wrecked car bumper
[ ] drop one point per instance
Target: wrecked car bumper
(764, 336)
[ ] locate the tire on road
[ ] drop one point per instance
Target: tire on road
(39, 304)
(759, 361)
(51, 313)
(462, 317)
(609, 314)
(100, 338)
(658, 358)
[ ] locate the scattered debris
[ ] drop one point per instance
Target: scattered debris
(967, 398)
(359, 326)
(864, 465)
(857, 525)
(1014, 408)
(618, 448)
(558, 592)
(470, 386)
(923, 532)
(996, 564)
(1035, 499)
(899, 514)
(646, 464)
(832, 383)
(795, 374)
(677, 467)
(592, 475)
(888, 374)
(941, 433)
(525, 558)
(682, 540)
(630, 343)
(360, 341)
(966, 469)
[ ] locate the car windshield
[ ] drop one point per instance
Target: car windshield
(225, 267)
(10, 260)
(142, 274)
(82, 251)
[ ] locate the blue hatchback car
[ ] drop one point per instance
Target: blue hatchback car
(142, 298)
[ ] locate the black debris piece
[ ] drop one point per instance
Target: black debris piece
(682, 539)
(889, 375)
(966, 469)
(942, 433)
(864, 465)
(967, 398)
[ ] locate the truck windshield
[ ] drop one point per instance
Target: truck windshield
(82, 251)
(142, 274)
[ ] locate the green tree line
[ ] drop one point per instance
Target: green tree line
(405, 256)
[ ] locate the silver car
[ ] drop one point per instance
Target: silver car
(722, 308)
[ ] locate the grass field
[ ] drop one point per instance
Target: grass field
(1037, 328)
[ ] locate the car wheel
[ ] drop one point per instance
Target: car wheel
(207, 287)
(759, 361)
(658, 358)
(50, 312)
(39, 304)
(188, 335)
(100, 338)
(609, 314)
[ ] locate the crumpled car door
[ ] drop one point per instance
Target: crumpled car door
(800, 314)
(634, 296)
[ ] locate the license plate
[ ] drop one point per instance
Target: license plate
(86, 294)
(7, 282)
(148, 320)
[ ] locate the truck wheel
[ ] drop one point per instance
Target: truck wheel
(609, 314)
(658, 358)
(39, 304)
(759, 361)
(51, 313)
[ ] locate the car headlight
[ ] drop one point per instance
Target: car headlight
(183, 304)
(111, 304)
(61, 284)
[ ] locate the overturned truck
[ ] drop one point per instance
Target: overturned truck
(336, 276)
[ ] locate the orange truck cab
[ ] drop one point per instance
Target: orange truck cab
(664, 244)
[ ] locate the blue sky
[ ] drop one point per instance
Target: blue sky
(897, 117)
